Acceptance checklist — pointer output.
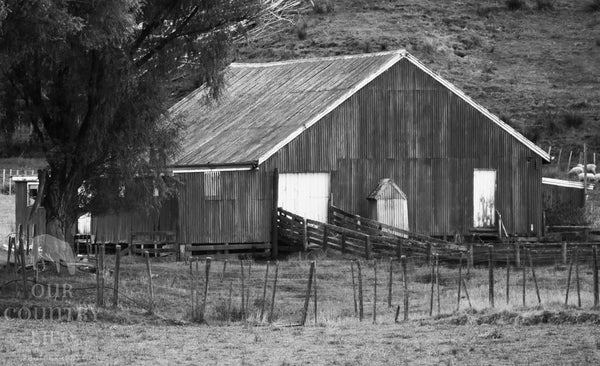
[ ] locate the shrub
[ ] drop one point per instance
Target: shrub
(301, 30)
(515, 4)
(572, 119)
(545, 4)
(323, 7)
(593, 5)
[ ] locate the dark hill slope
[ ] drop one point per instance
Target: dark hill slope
(539, 70)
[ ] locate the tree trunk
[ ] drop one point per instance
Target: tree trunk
(61, 205)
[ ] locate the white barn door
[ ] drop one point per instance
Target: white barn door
(484, 198)
(305, 194)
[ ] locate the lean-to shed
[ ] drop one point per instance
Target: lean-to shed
(333, 127)
(110, 228)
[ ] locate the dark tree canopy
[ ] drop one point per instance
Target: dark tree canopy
(93, 79)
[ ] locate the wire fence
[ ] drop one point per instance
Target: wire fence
(296, 292)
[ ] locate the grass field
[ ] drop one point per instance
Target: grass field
(436, 342)
(508, 334)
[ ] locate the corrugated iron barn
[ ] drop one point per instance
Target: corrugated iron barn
(333, 128)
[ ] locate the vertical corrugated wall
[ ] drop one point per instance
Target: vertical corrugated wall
(406, 126)
(229, 207)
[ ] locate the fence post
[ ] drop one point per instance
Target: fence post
(10, 183)
(569, 282)
(343, 243)
(432, 279)
(150, 287)
(524, 283)
(405, 280)
(205, 297)
(315, 291)
(23, 264)
(537, 289)
(577, 276)
(273, 293)
(368, 247)
(437, 280)
(117, 269)
(375, 292)
(307, 297)
(491, 274)
(353, 289)
(243, 289)
(360, 292)
(507, 278)
(192, 290)
(264, 296)
(595, 268)
(460, 264)
(470, 259)
(325, 237)
(390, 284)
(517, 255)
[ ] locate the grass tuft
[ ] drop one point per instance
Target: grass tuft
(545, 4)
(514, 4)
(592, 6)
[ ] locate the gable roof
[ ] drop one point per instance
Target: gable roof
(266, 105)
(386, 189)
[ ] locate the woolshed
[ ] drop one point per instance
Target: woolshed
(111, 228)
(305, 134)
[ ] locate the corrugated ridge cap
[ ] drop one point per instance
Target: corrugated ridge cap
(400, 52)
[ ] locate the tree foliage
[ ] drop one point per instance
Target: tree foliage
(93, 79)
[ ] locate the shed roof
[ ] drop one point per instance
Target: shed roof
(264, 106)
(386, 189)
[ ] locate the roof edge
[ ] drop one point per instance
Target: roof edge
(398, 55)
(564, 183)
(400, 52)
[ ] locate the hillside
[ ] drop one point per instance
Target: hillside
(539, 70)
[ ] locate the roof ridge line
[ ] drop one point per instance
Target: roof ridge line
(401, 52)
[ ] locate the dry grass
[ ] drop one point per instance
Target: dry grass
(507, 334)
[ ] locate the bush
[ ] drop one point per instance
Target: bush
(301, 30)
(572, 120)
(593, 5)
(323, 7)
(545, 4)
(515, 4)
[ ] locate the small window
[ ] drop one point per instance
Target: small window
(32, 192)
(212, 185)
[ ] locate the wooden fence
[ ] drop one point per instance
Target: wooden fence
(417, 243)
(355, 235)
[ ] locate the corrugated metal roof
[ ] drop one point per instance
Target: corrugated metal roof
(264, 106)
(565, 183)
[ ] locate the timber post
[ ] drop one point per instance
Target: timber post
(116, 283)
(274, 238)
